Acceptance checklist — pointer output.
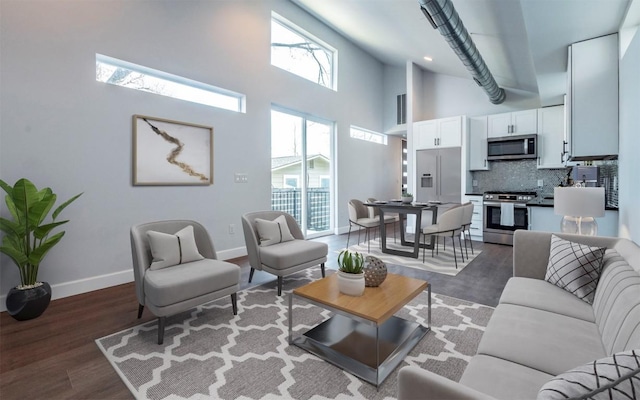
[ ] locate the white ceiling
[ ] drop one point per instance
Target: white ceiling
(523, 42)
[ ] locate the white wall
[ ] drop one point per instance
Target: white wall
(449, 96)
(629, 162)
(61, 128)
(395, 83)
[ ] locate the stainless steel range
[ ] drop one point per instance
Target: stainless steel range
(504, 212)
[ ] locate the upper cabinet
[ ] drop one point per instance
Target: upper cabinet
(551, 137)
(593, 98)
(513, 123)
(477, 144)
(437, 133)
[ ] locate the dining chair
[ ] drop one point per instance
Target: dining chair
(466, 226)
(449, 224)
(175, 267)
(275, 244)
(359, 216)
(389, 219)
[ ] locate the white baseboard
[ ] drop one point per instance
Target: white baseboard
(66, 289)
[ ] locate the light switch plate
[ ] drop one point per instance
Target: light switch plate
(475, 182)
(540, 183)
(240, 177)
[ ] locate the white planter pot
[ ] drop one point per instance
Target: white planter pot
(407, 200)
(351, 284)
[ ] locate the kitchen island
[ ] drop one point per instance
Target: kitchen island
(543, 218)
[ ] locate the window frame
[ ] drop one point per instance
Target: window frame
(384, 138)
(277, 18)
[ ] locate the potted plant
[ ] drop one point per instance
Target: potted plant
(407, 197)
(351, 273)
(27, 240)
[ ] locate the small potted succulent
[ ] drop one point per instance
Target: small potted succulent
(351, 273)
(27, 240)
(407, 197)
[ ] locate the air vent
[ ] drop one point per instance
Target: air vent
(401, 109)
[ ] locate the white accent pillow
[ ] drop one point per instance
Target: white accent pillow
(575, 267)
(169, 250)
(273, 232)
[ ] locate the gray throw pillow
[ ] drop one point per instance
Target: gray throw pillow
(169, 250)
(575, 267)
(273, 232)
(614, 377)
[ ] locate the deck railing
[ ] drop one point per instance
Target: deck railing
(318, 203)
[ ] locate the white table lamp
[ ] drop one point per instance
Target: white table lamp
(579, 206)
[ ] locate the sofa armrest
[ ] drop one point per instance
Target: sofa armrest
(417, 383)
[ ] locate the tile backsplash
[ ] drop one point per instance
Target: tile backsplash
(523, 175)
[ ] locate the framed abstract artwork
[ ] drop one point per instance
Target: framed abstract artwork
(169, 152)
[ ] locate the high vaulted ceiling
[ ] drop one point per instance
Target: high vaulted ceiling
(523, 42)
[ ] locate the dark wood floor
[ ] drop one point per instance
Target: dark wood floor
(55, 356)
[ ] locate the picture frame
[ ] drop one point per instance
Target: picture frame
(170, 153)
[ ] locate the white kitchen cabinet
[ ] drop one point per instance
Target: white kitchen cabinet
(478, 216)
(438, 133)
(544, 219)
(593, 71)
(550, 137)
(477, 144)
(513, 123)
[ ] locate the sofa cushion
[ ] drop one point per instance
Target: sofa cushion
(546, 341)
(169, 250)
(574, 267)
(167, 286)
(536, 293)
(288, 254)
(617, 304)
(617, 376)
(503, 379)
(273, 232)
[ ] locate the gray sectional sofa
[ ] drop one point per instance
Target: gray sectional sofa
(539, 330)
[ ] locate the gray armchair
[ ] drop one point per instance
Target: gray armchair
(286, 257)
(169, 290)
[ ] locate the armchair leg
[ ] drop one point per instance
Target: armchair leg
(322, 269)
(279, 286)
(161, 322)
(234, 303)
(349, 235)
(140, 309)
(251, 274)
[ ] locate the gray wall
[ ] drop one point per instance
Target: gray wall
(629, 162)
(61, 128)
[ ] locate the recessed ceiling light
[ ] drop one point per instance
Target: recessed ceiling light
(428, 58)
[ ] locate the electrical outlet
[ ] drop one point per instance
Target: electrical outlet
(475, 183)
(540, 183)
(232, 229)
(241, 177)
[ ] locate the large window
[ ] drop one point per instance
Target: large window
(298, 52)
(301, 169)
(133, 76)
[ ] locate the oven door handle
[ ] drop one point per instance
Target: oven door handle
(497, 204)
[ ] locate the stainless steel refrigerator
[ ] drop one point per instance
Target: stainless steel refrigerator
(438, 173)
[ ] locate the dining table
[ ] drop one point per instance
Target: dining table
(404, 209)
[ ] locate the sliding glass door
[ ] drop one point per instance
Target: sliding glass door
(301, 169)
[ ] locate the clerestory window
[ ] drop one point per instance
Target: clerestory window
(300, 53)
(133, 76)
(369, 136)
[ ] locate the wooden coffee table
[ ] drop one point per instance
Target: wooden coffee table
(363, 336)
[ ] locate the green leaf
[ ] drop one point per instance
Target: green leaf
(11, 206)
(24, 195)
(6, 187)
(65, 204)
(39, 252)
(39, 211)
(43, 231)
(16, 255)
(10, 227)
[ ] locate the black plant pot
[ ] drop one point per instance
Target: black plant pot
(24, 304)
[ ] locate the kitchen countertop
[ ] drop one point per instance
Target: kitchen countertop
(542, 202)
(474, 194)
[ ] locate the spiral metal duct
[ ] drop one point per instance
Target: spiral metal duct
(443, 17)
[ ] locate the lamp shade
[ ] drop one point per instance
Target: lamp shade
(579, 201)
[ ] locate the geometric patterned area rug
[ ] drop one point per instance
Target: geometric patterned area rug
(443, 262)
(208, 353)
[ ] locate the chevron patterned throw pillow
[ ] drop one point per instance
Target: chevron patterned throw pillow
(575, 267)
(614, 377)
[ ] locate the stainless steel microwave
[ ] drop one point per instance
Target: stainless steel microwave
(512, 147)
